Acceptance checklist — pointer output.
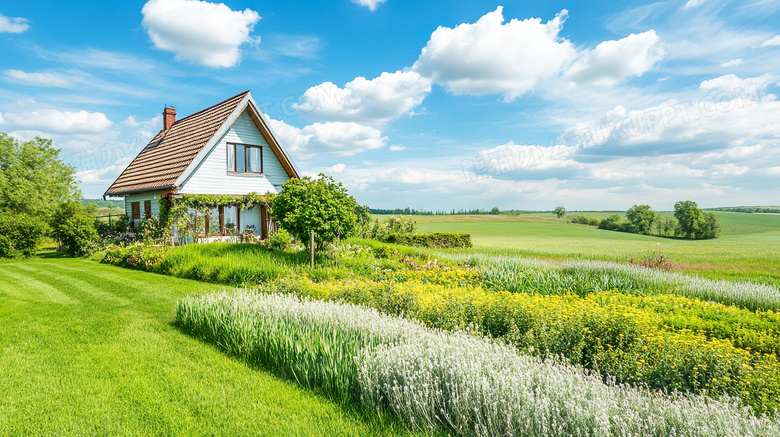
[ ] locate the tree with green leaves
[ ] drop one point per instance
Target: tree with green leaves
(642, 218)
(33, 178)
(559, 211)
(495, 211)
(689, 218)
(321, 205)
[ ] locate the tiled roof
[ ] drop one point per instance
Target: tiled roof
(170, 152)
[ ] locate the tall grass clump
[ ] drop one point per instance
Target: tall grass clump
(438, 381)
(653, 281)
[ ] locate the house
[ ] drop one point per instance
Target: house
(227, 149)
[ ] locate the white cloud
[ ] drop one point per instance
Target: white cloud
(774, 41)
(370, 4)
(397, 148)
(693, 3)
(13, 25)
(338, 168)
(613, 61)
(731, 82)
(733, 113)
(732, 63)
(130, 122)
(373, 101)
(491, 56)
(335, 138)
(38, 79)
(52, 120)
(206, 33)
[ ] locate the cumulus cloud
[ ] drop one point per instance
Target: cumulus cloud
(335, 138)
(491, 56)
(38, 79)
(370, 4)
(374, 101)
(13, 25)
(613, 61)
(732, 113)
(52, 120)
(206, 33)
(774, 41)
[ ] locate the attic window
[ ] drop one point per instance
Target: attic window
(244, 158)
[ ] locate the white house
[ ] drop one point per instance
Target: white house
(226, 149)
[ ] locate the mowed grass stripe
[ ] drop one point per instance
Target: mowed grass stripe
(100, 368)
(73, 284)
(24, 286)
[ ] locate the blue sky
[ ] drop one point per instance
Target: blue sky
(435, 105)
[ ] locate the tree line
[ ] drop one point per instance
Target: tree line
(689, 221)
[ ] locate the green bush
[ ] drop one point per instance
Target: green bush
(611, 223)
(583, 220)
(74, 228)
(139, 257)
(20, 235)
(443, 240)
(279, 240)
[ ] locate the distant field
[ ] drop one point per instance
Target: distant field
(749, 248)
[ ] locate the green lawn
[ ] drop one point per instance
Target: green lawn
(88, 348)
(749, 248)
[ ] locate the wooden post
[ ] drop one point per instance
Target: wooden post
(221, 210)
(109, 220)
(238, 224)
(263, 222)
(312, 249)
(207, 231)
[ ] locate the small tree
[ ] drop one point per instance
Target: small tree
(710, 226)
(642, 218)
(689, 218)
(321, 205)
(495, 210)
(74, 228)
(559, 211)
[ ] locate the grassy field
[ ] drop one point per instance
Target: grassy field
(90, 349)
(748, 249)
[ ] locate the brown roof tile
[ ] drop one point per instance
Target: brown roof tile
(170, 152)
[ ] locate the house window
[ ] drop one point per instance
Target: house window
(147, 209)
(243, 158)
(135, 210)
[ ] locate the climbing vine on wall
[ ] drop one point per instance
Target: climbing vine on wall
(187, 213)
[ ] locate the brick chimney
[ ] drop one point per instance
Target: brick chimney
(169, 117)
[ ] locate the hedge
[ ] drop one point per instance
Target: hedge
(444, 240)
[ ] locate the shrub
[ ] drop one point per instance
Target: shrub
(443, 240)
(140, 256)
(20, 235)
(611, 223)
(381, 231)
(583, 220)
(74, 228)
(279, 240)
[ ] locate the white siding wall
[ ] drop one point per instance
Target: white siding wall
(212, 177)
(154, 196)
